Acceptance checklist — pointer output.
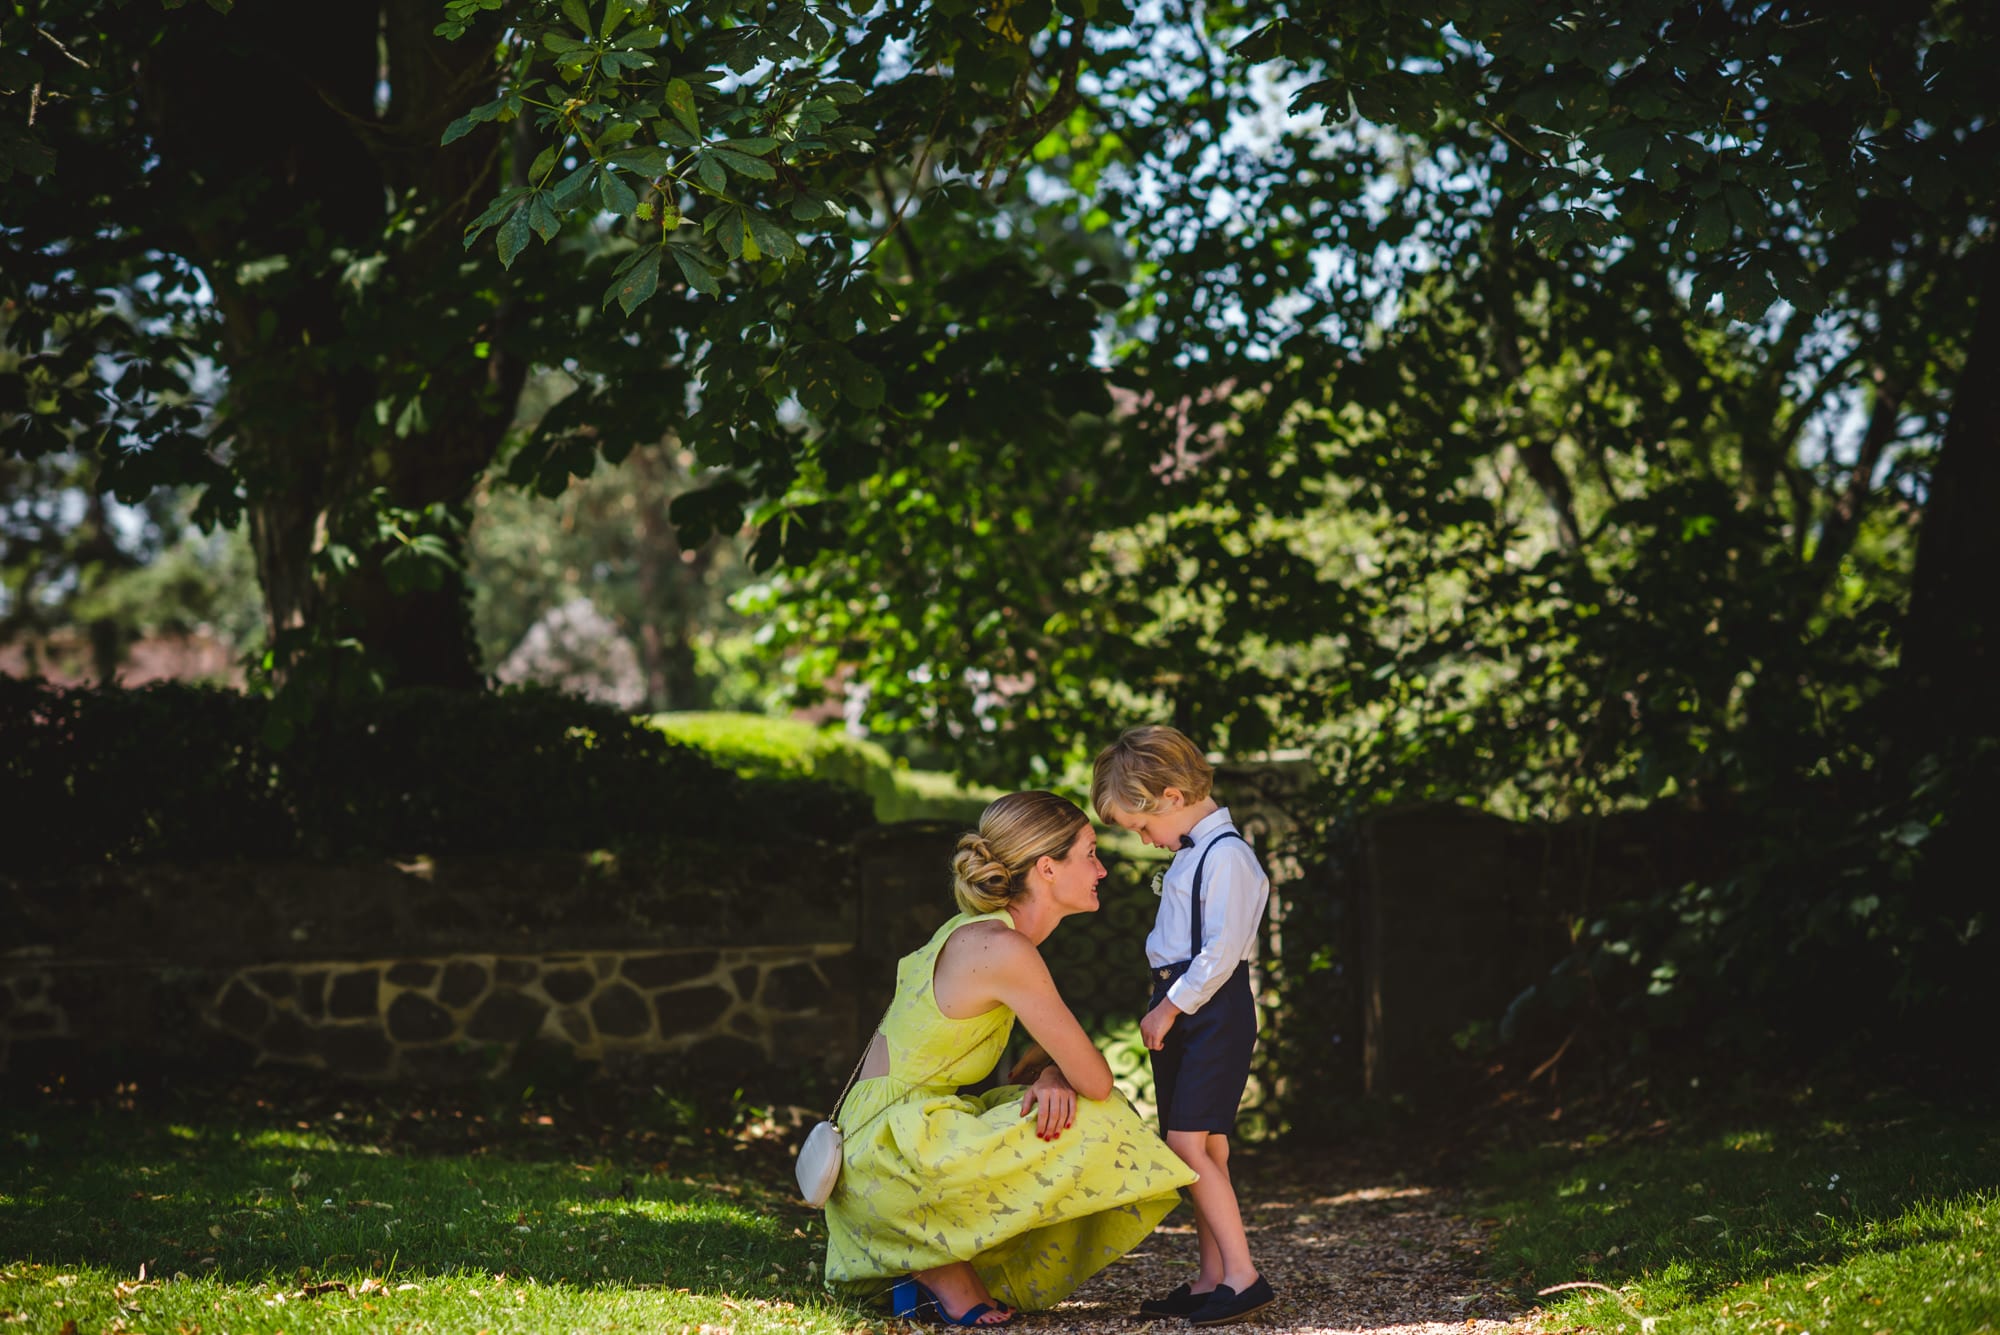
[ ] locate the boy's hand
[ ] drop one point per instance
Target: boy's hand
(1153, 1029)
(1053, 1102)
(1031, 1065)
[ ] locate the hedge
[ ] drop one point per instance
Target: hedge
(180, 772)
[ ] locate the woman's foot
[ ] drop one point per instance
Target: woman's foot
(960, 1298)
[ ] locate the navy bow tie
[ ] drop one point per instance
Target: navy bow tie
(1187, 841)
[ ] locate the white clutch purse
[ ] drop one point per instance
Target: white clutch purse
(819, 1163)
(818, 1168)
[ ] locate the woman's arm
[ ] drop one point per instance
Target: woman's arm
(980, 969)
(1034, 1059)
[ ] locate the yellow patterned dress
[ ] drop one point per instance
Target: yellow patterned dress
(931, 1176)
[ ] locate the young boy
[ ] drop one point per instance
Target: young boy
(1201, 1023)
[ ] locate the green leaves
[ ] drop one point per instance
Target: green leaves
(542, 214)
(646, 160)
(499, 109)
(571, 189)
(680, 101)
(709, 171)
(601, 91)
(826, 375)
(618, 197)
(1284, 38)
(1550, 232)
(744, 165)
(697, 269)
(635, 280)
(860, 383)
(772, 240)
(461, 14)
(1707, 225)
(520, 211)
(513, 236)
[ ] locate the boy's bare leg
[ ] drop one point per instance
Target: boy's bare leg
(1218, 1221)
(1210, 1274)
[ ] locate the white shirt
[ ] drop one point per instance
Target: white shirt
(1234, 893)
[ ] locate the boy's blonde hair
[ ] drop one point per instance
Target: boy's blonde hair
(1130, 774)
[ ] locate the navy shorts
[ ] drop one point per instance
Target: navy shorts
(1200, 1072)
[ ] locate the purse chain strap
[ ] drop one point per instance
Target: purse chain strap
(834, 1116)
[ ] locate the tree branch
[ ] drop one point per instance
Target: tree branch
(1535, 453)
(1837, 535)
(74, 58)
(916, 183)
(911, 254)
(1030, 131)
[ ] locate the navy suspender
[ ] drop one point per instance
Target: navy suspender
(1194, 899)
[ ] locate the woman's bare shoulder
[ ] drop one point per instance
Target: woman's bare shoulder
(990, 943)
(990, 932)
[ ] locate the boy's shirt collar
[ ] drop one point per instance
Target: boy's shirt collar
(1213, 823)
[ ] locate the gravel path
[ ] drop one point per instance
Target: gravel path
(1347, 1249)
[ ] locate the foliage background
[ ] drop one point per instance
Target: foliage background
(1562, 412)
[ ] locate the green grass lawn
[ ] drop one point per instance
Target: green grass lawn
(239, 1216)
(1884, 1221)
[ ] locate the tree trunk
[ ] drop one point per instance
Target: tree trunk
(281, 541)
(672, 586)
(315, 356)
(1948, 662)
(420, 633)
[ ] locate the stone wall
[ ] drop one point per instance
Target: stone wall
(472, 1015)
(432, 970)
(437, 970)
(450, 1017)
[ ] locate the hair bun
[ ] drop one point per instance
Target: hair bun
(980, 880)
(988, 871)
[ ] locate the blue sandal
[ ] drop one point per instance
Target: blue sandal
(911, 1300)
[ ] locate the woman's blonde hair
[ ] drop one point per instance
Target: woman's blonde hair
(1131, 773)
(1015, 831)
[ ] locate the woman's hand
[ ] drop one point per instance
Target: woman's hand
(1033, 1062)
(1153, 1028)
(1052, 1101)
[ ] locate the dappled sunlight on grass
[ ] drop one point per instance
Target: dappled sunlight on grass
(299, 1140)
(1890, 1221)
(259, 1223)
(1364, 1195)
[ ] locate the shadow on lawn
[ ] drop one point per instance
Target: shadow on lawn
(1734, 1206)
(243, 1201)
